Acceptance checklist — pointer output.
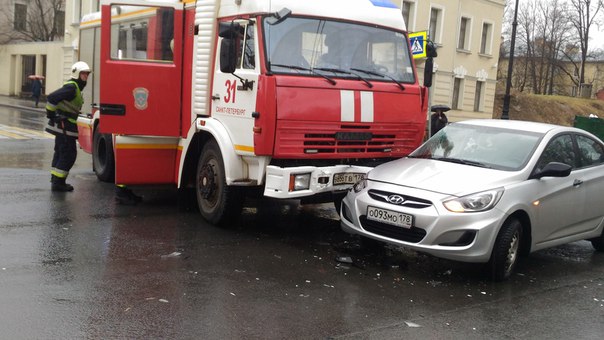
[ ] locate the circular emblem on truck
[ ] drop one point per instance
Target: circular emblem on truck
(395, 199)
(141, 96)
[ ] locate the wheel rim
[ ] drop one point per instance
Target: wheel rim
(207, 183)
(512, 254)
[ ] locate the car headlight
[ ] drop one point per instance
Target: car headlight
(480, 201)
(360, 185)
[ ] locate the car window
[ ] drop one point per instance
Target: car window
(560, 149)
(590, 151)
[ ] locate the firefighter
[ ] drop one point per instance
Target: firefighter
(62, 109)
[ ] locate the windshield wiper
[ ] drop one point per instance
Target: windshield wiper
(463, 161)
(380, 75)
(300, 68)
(337, 70)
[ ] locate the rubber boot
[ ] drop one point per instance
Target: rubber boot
(125, 196)
(58, 184)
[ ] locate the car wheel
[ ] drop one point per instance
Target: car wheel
(103, 162)
(506, 250)
(218, 203)
(598, 242)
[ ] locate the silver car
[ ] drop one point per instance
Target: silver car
(486, 191)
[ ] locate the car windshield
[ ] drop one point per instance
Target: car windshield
(338, 50)
(496, 148)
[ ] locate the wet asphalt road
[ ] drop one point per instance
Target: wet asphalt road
(76, 265)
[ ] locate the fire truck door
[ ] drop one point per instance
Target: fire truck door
(234, 95)
(141, 69)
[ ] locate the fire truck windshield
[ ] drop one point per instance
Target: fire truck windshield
(307, 46)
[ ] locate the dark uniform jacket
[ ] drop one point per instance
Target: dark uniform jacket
(63, 107)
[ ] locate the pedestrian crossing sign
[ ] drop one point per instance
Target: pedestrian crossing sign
(418, 41)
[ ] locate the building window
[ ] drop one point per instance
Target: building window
(464, 34)
(408, 13)
(486, 38)
(20, 23)
(436, 15)
(478, 96)
(60, 22)
(457, 92)
(77, 12)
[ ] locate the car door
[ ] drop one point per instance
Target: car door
(590, 154)
(558, 199)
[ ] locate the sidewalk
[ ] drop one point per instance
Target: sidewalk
(22, 103)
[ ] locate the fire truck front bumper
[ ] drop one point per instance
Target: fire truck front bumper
(304, 181)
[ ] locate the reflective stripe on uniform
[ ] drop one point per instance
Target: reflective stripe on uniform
(59, 173)
(54, 129)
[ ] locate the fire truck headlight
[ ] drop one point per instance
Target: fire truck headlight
(300, 182)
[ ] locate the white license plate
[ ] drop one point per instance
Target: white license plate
(347, 178)
(390, 217)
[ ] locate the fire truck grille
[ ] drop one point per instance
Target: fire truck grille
(347, 140)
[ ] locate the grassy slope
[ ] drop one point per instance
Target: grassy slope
(549, 109)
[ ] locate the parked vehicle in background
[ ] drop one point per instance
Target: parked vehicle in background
(233, 97)
(486, 191)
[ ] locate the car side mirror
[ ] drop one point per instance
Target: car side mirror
(553, 169)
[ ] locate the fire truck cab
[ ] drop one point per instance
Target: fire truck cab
(296, 98)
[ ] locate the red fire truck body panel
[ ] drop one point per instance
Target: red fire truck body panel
(266, 123)
(143, 98)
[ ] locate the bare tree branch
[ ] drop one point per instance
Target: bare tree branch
(44, 22)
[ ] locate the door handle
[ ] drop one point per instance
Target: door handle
(577, 182)
(216, 97)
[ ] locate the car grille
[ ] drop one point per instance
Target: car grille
(408, 201)
(412, 235)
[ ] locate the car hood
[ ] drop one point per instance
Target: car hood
(442, 177)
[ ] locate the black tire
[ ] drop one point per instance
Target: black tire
(103, 161)
(506, 250)
(337, 201)
(598, 242)
(218, 203)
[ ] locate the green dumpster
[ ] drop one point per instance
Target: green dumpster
(593, 125)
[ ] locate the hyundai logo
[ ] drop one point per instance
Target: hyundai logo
(395, 199)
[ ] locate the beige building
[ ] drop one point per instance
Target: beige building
(467, 34)
(52, 60)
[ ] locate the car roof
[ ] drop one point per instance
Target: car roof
(518, 125)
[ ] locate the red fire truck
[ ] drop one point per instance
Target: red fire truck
(295, 99)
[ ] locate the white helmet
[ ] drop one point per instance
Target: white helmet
(78, 67)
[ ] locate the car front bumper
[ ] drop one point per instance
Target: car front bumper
(465, 237)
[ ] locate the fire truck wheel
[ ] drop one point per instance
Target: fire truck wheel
(102, 157)
(218, 202)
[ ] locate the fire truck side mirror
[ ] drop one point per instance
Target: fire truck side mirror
(228, 56)
(428, 69)
(230, 33)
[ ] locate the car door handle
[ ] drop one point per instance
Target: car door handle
(577, 182)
